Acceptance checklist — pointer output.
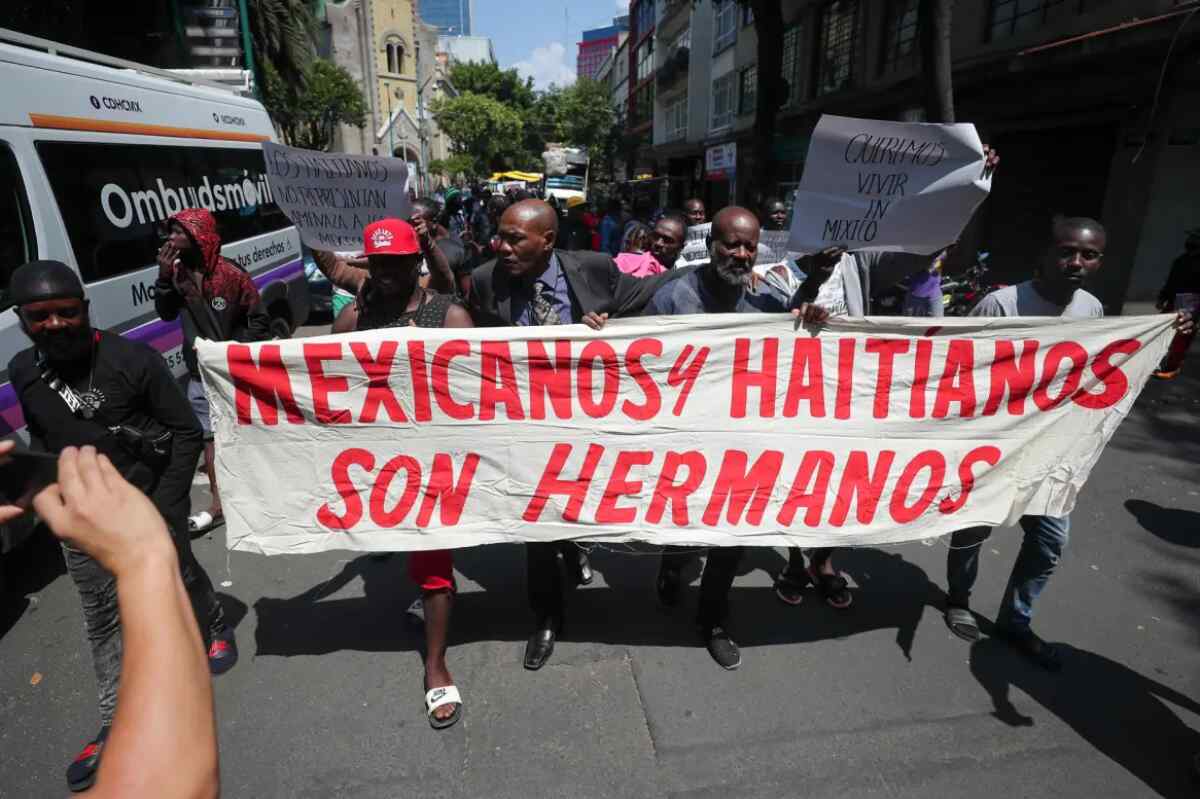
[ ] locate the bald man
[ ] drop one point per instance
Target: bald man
(532, 282)
(723, 285)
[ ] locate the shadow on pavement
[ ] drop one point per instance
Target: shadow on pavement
(1173, 525)
(28, 569)
(1121, 713)
(893, 593)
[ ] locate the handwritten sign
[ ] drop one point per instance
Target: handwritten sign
(896, 186)
(695, 246)
(331, 197)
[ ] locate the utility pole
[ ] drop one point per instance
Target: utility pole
(422, 171)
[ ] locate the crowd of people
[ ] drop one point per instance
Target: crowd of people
(490, 260)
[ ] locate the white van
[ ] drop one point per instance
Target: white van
(95, 156)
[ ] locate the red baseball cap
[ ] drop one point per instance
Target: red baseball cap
(390, 237)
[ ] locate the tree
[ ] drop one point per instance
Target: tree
(503, 85)
(283, 36)
(587, 114)
(933, 26)
(307, 112)
(481, 128)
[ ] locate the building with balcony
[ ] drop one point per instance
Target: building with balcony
(1067, 91)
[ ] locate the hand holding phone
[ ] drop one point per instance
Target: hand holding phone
(22, 475)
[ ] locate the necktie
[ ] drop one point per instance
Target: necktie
(542, 305)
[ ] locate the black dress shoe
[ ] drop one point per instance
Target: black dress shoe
(585, 568)
(540, 646)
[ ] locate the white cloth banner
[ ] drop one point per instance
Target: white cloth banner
(331, 197)
(877, 185)
(706, 430)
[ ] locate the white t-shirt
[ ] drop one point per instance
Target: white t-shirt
(1024, 300)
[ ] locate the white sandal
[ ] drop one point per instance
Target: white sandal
(203, 521)
(437, 697)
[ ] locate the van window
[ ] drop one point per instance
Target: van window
(116, 198)
(17, 243)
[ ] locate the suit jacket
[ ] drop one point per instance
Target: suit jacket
(596, 284)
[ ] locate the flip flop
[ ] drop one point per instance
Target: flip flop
(789, 588)
(437, 697)
(204, 521)
(833, 588)
(962, 623)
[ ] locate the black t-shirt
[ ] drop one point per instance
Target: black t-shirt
(139, 391)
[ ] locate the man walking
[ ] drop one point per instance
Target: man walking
(531, 282)
(393, 297)
(1073, 254)
(79, 386)
(219, 302)
(1181, 292)
(720, 286)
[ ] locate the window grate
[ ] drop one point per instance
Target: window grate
(900, 47)
(835, 64)
(1011, 17)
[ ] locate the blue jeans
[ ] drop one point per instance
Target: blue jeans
(1043, 545)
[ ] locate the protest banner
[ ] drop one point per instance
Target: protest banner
(705, 430)
(331, 197)
(877, 185)
(695, 246)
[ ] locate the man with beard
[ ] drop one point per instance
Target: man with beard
(1073, 254)
(219, 302)
(84, 387)
(533, 283)
(393, 297)
(666, 242)
(720, 286)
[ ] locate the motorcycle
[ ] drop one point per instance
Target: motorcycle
(961, 293)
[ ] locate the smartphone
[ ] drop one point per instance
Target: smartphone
(24, 473)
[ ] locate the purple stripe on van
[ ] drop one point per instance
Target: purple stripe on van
(162, 336)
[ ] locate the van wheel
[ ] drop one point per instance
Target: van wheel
(280, 328)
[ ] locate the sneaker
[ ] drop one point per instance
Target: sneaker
(722, 648)
(222, 652)
(81, 774)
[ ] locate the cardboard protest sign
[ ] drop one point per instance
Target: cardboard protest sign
(695, 246)
(706, 430)
(876, 185)
(331, 197)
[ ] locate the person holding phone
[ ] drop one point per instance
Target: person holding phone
(164, 737)
(79, 386)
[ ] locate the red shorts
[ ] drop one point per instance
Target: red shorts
(432, 569)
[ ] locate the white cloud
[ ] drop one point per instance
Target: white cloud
(547, 65)
(622, 6)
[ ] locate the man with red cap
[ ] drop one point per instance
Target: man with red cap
(218, 301)
(392, 296)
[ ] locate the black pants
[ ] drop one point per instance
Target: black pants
(815, 556)
(547, 589)
(719, 571)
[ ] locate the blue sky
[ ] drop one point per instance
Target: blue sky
(534, 36)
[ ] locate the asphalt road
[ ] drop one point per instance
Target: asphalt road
(879, 700)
